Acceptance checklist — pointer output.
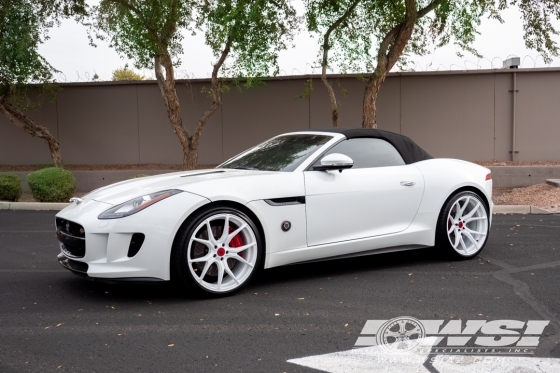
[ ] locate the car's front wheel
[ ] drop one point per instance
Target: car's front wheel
(217, 252)
(463, 225)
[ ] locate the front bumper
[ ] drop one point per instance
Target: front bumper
(107, 242)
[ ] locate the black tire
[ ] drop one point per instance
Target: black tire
(183, 272)
(462, 228)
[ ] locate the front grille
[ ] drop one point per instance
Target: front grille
(73, 265)
(72, 238)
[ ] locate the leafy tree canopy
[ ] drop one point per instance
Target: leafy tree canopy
(355, 44)
(24, 25)
(125, 73)
(256, 30)
(141, 30)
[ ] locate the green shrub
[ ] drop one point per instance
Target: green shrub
(139, 175)
(10, 187)
(52, 184)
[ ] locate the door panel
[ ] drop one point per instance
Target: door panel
(359, 203)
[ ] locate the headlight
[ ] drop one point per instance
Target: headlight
(136, 204)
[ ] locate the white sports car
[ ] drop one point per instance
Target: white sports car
(298, 197)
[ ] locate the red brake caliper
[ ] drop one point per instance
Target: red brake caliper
(236, 241)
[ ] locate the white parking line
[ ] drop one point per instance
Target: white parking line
(376, 359)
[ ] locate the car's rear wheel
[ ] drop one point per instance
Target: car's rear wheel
(217, 252)
(463, 225)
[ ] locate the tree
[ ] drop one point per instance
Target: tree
(331, 19)
(149, 33)
(125, 74)
(250, 33)
(23, 27)
(378, 34)
(397, 23)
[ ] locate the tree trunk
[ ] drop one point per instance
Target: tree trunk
(169, 94)
(192, 156)
(370, 102)
(324, 62)
(216, 90)
(390, 50)
(334, 104)
(31, 127)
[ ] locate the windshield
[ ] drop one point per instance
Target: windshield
(283, 153)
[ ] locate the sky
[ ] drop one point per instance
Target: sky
(68, 51)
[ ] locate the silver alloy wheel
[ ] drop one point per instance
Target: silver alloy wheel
(222, 252)
(467, 225)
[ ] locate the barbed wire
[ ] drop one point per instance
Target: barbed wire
(527, 61)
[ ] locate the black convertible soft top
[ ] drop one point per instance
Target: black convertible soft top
(408, 149)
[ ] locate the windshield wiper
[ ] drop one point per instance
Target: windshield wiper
(246, 168)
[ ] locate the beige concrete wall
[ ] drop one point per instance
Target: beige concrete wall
(464, 115)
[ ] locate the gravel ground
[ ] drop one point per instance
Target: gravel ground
(541, 195)
(518, 163)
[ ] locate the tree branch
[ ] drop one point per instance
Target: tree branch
(216, 93)
(333, 27)
(434, 4)
(324, 63)
(136, 11)
(170, 24)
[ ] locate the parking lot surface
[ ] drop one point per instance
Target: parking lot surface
(54, 321)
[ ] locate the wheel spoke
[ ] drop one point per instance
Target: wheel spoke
(416, 330)
(230, 273)
(390, 333)
(204, 270)
(475, 232)
(236, 250)
(457, 238)
(460, 213)
(204, 258)
(204, 242)
(402, 326)
(220, 266)
(225, 232)
(235, 233)
(475, 218)
(471, 238)
(242, 260)
(451, 227)
(463, 244)
(457, 207)
(210, 233)
(471, 213)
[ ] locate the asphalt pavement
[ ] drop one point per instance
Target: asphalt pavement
(54, 321)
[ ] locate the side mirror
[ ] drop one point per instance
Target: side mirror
(335, 161)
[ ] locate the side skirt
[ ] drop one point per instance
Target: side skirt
(393, 249)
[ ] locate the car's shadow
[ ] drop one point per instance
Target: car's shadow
(353, 266)
(279, 276)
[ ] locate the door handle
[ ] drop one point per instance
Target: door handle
(407, 183)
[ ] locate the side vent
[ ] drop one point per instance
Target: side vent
(135, 244)
(285, 201)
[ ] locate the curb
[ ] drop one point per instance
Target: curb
(519, 209)
(33, 206)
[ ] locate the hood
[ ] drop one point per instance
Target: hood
(201, 182)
